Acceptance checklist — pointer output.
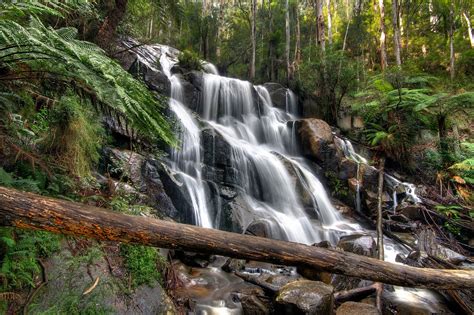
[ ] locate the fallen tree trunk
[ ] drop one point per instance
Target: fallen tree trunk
(30, 211)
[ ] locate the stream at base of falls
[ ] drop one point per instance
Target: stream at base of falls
(272, 177)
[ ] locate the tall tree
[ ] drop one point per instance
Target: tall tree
(451, 40)
(383, 49)
(329, 22)
(396, 32)
(297, 58)
(320, 36)
(112, 20)
(253, 38)
(469, 27)
(288, 41)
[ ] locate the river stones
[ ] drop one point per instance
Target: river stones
(353, 308)
(358, 244)
(305, 297)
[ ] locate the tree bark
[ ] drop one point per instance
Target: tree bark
(110, 24)
(469, 28)
(288, 41)
(396, 32)
(329, 22)
(380, 249)
(320, 36)
(451, 40)
(383, 50)
(297, 59)
(31, 211)
(253, 39)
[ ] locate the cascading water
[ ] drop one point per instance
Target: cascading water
(186, 160)
(394, 184)
(275, 182)
(264, 154)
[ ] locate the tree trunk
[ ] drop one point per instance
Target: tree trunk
(288, 41)
(31, 211)
(220, 27)
(111, 22)
(383, 50)
(253, 39)
(469, 28)
(396, 32)
(329, 22)
(380, 248)
(451, 40)
(297, 59)
(320, 36)
(443, 134)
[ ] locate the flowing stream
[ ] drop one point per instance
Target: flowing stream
(275, 181)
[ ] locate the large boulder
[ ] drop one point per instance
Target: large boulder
(305, 297)
(353, 308)
(155, 79)
(316, 140)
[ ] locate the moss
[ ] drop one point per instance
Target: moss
(144, 263)
(190, 61)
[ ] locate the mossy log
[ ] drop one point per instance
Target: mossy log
(31, 211)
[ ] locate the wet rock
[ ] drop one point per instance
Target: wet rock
(254, 301)
(193, 259)
(358, 244)
(347, 169)
(192, 90)
(411, 211)
(153, 187)
(395, 226)
(314, 274)
(232, 265)
(316, 138)
(175, 189)
(155, 79)
(259, 228)
(121, 164)
(411, 304)
(353, 308)
(236, 215)
(305, 297)
(278, 94)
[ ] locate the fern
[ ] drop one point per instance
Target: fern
(56, 56)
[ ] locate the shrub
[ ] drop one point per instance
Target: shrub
(190, 61)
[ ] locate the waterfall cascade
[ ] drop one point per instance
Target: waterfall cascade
(264, 153)
(274, 180)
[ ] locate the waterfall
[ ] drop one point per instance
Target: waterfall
(264, 153)
(186, 160)
(393, 184)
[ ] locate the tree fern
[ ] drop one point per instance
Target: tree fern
(36, 52)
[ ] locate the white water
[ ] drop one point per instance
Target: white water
(264, 152)
(186, 160)
(394, 184)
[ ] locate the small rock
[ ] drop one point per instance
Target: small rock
(358, 244)
(411, 211)
(305, 297)
(354, 308)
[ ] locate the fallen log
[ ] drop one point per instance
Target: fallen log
(30, 211)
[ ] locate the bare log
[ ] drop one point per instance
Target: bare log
(356, 294)
(30, 211)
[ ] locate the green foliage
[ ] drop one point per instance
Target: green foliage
(190, 61)
(143, 263)
(19, 256)
(464, 169)
(74, 134)
(328, 78)
(58, 57)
